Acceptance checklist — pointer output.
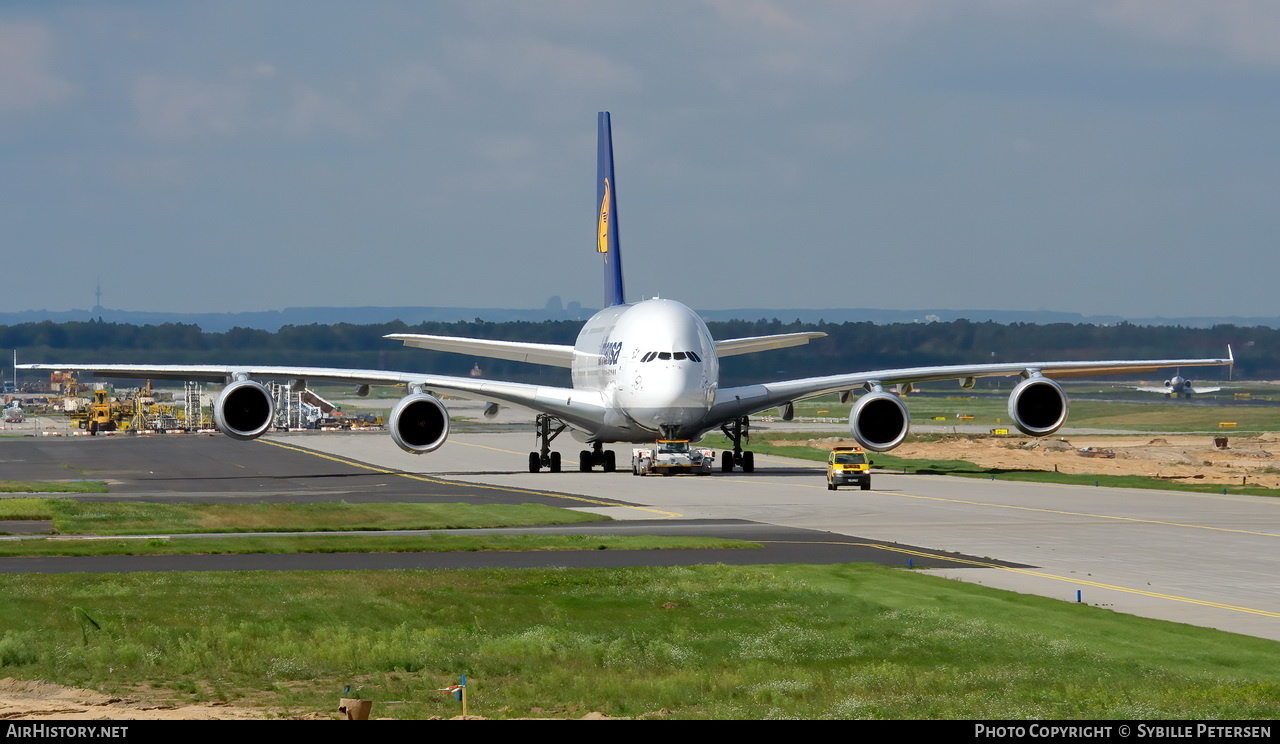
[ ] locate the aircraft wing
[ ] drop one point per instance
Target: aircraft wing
(584, 409)
(752, 344)
(742, 401)
(1166, 390)
(1202, 390)
(550, 354)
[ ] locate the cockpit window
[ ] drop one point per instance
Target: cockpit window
(668, 355)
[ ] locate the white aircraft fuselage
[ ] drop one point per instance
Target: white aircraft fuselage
(655, 367)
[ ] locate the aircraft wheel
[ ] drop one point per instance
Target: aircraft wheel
(726, 462)
(748, 462)
(555, 462)
(610, 461)
(584, 461)
(535, 462)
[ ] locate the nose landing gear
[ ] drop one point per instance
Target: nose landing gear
(598, 455)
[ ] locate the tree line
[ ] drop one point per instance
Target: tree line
(849, 347)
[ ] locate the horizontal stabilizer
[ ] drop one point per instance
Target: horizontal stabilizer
(750, 345)
(550, 354)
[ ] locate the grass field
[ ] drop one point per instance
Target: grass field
(852, 641)
(1151, 413)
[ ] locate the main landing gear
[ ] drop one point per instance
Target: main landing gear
(548, 428)
(738, 432)
(544, 457)
(597, 455)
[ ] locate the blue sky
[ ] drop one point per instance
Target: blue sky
(1097, 157)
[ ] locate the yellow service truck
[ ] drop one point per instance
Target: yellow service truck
(847, 466)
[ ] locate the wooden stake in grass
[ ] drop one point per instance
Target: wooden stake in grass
(459, 691)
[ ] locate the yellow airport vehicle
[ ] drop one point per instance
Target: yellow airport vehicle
(100, 415)
(847, 466)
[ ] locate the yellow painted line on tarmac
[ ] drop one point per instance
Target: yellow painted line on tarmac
(1081, 514)
(483, 486)
(1043, 575)
(1056, 511)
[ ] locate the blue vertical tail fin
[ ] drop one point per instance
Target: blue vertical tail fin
(607, 225)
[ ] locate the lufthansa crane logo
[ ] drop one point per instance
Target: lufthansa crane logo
(602, 245)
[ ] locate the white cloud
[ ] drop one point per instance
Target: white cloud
(401, 84)
(179, 109)
(1243, 30)
(806, 43)
(312, 111)
(521, 63)
(25, 80)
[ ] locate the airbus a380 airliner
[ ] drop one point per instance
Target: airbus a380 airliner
(640, 371)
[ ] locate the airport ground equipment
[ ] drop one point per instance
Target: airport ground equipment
(670, 457)
(101, 415)
(848, 466)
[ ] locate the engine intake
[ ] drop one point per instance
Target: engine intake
(879, 421)
(244, 410)
(1038, 406)
(419, 423)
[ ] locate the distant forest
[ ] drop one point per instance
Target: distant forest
(849, 347)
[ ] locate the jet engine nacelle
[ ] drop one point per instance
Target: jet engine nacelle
(1038, 406)
(244, 410)
(419, 423)
(879, 421)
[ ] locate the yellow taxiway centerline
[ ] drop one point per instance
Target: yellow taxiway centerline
(1042, 575)
(469, 484)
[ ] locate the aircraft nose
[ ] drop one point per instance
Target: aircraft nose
(671, 394)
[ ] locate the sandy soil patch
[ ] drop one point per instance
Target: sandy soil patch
(44, 701)
(21, 701)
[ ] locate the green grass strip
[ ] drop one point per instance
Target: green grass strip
(133, 518)
(353, 544)
(10, 486)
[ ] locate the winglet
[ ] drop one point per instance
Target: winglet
(607, 214)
